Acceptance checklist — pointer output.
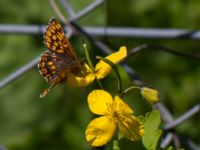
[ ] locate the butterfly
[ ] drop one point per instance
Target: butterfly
(60, 58)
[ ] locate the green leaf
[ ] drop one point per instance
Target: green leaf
(152, 134)
(170, 148)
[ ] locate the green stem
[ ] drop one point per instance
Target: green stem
(87, 54)
(116, 145)
(129, 89)
(114, 67)
(99, 83)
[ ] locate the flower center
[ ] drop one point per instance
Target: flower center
(114, 114)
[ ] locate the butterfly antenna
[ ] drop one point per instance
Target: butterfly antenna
(46, 91)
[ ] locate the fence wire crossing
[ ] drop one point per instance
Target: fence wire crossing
(169, 121)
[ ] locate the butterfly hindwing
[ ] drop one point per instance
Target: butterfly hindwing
(54, 68)
(48, 66)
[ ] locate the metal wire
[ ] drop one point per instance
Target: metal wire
(191, 112)
(19, 72)
(21, 29)
(110, 31)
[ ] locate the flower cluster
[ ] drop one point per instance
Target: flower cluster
(101, 70)
(114, 112)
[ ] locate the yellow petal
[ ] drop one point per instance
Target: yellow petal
(83, 78)
(78, 81)
(100, 131)
(118, 56)
(131, 128)
(121, 107)
(99, 101)
(102, 69)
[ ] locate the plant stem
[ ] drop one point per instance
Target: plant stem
(116, 145)
(87, 54)
(129, 89)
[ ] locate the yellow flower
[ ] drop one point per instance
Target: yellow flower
(115, 113)
(101, 70)
(150, 95)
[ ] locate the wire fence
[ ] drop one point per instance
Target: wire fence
(169, 122)
(110, 32)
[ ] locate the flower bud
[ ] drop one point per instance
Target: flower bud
(151, 95)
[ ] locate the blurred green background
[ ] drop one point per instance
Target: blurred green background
(59, 120)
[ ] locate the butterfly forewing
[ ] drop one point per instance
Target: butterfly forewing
(56, 41)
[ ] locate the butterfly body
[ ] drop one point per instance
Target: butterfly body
(60, 58)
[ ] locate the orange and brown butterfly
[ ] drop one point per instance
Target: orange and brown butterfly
(60, 58)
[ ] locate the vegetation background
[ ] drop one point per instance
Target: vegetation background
(59, 120)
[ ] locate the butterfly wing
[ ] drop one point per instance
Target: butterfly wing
(60, 59)
(56, 41)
